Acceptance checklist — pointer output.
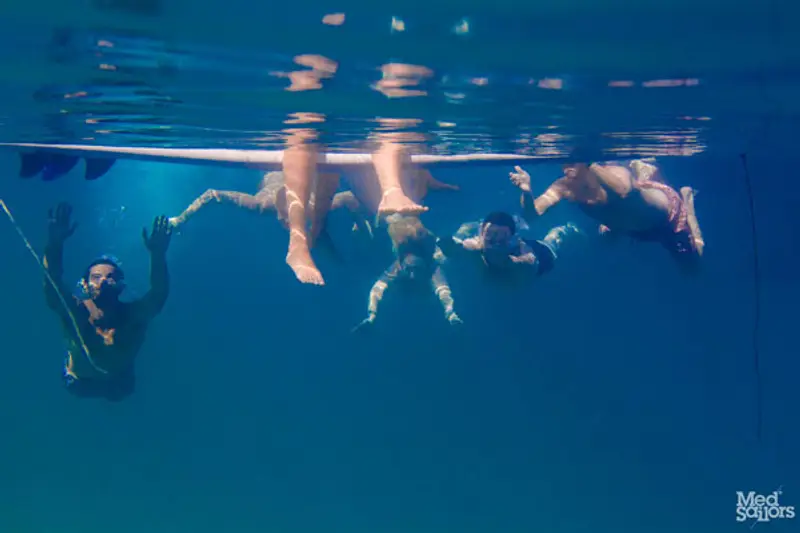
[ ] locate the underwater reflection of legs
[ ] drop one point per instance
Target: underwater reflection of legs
(324, 190)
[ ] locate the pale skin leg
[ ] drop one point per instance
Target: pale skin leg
(251, 202)
(414, 182)
(390, 161)
(687, 193)
(265, 201)
(300, 168)
(324, 191)
(645, 170)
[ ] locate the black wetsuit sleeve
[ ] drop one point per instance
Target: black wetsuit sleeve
(151, 304)
(54, 288)
(545, 258)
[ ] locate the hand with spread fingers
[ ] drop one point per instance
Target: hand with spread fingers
(158, 241)
(60, 227)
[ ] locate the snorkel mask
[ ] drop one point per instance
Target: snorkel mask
(110, 286)
(416, 257)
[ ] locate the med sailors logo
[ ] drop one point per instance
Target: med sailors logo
(754, 507)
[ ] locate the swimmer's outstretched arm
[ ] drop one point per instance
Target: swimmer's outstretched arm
(442, 290)
(244, 200)
(468, 236)
(157, 243)
(538, 206)
(376, 294)
(467, 230)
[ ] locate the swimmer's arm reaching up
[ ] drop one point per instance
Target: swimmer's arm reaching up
(376, 294)
(538, 206)
(157, 243)
(442, 290)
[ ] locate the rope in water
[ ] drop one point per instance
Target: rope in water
(757, 295)
(53, 284)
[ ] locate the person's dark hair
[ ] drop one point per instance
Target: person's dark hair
(409, 236)
(582, 154)
(500, 218)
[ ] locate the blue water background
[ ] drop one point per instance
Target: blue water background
(614, 395)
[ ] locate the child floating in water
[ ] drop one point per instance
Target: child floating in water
(418, 260)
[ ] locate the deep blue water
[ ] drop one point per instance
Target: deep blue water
(614, 395)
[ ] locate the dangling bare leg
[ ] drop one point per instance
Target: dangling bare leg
(299, 167)
(390, 161)
(687, 193)
(244, 200)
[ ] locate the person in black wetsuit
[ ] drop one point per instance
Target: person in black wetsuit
(103, 334)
